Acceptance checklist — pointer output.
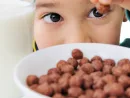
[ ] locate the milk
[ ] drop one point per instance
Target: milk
(16, 30)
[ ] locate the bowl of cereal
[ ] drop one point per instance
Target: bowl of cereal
(80, 70)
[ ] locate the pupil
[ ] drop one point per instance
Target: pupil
(55, 17)
(96, 13)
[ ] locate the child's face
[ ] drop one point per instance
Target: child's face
(74, 21)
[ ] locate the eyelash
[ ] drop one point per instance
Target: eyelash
(61, 18)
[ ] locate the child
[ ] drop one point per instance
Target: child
(78, 21)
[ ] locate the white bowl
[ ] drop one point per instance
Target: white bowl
(39, 62)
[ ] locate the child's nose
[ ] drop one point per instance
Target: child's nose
(77, 34)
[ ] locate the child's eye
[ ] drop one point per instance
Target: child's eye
(52, 17)
(95, 14)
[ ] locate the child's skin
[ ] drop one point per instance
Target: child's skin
(75, 21)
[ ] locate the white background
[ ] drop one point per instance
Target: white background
(125, 30)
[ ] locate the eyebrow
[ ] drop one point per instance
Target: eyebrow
(47, 4)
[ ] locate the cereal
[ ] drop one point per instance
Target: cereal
(99, 93)
(45, 89)
(64, 83)
(67, 75)
(112, 97)
(110, 62)
(109, 78)
(84, 60)
(34, 86)
(75, 81)
(97, 64)
(124, 80)
(82, 96)
(77, 54)
(98, 84)
(43, 79)
(128, 92)
(80, 77)
(58, 95)
(67, 69)
(107, 69)
(54, 70)
(123, 61)
(80, 73)
(32, 79)
(61, 63)
(96, 58)
(126, 68)
(102, 8)
(73, 62)
(87, 68)
(87, 81)
(114, 89)
(96, 74)
(75, 91)
(54, 77)
(117, 71)
(89, 93)
(56, 88)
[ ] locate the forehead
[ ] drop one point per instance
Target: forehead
(47, 3)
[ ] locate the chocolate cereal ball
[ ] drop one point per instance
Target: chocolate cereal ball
(43, 79)
(75, 81)
(127, 92)
(84, 60)
(99, 93)
(54, 70)
(75, 91)
(82, 96)
(73, 62)
(80, 73)
(77, 54)
(109, 78)
(97, 64)
(87, 68)
(96, 74)
(56, 88)
(112, 97)
(102, 8)
(123, 61)
(89, 93)
(32, 79)
(67, 69)
(96, 58)
(34, 86)
(124, 80)
(126, 68)
(58, 95)
(117, 71)
(64, 83)
(66, 75)
(87, 81)
(45, 89)
(98, 83)
(61, 63)
(54, 77)
(107, 69)
(114, 89)
(110, 62)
